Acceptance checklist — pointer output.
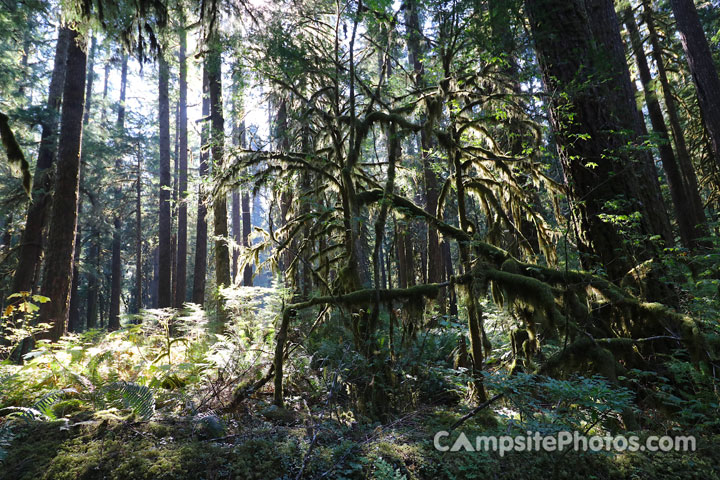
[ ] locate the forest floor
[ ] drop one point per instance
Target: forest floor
(271, 444)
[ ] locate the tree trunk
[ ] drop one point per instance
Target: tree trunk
(63, 219)
(235, 209)
(138, 239)
(283, 145)
(686, 167)
(237, 234)
(116, 259)
(474, 309)
(164, 253)
(31, 240)
(200, 269)
(181, 263)
(103, 113)
(92, 288)
(246, 227)
(605, 28)
(689, 221)
(220, 223)
(74, 314)
(588, 112)
(90, 80)
(702, 67)
(415, 52)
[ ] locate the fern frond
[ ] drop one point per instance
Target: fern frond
(138, 398)
(44, 405)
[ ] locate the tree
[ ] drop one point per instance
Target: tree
(702, 67)
(63, 217)
(415, 51)
(31, 241)
(220, 224)
(181, 265)
(690, 218)
(116, 259)
(678, 135)
(164, 248)
(594, 118)
(200, 270)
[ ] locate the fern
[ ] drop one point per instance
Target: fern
(138, 398)
(94, 364)
(6, 438)
(42, 409)
(44, 405)
(24, 413)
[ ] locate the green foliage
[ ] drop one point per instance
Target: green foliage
(138, 398)
(545, 404)
(382, 470)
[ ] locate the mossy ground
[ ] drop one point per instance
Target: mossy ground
(105, 446)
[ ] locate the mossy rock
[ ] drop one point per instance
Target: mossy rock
(278, 415)
(68, 407)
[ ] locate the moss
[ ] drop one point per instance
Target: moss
(68, 407)
(168, 450)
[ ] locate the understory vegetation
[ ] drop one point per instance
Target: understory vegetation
(171, 396)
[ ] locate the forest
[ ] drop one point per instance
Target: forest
(359, 239)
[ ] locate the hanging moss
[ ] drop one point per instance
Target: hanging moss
(16, 159)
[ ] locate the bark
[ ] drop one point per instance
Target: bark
(115, 277)
(173, 209)
(400, 256)
(200, 269)
(164, 253)
(280, 342)
(235, 212)
(686, 166)
(181, 265)
(74, 314)
(237, 234)
(138, 239)
(702, 67)
(90, 80)
(306, 181)
(690, 221)
(589, 110)
(31, 241)
(116, 259)
(281, 135)
(63, 218)
(605, 28)
(246, 227)
(92, 288)
(74, 324)
(220, 223)
(474, 312)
